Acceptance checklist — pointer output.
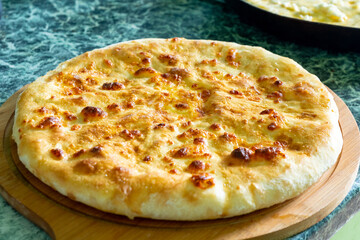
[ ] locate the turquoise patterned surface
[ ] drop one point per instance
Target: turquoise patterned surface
(36, 36)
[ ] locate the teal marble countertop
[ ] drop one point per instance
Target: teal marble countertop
(35, 36)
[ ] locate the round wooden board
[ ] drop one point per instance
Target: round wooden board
(63, 218)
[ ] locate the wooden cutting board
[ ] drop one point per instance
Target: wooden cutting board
(63, 218)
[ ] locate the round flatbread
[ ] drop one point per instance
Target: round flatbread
(178, 129)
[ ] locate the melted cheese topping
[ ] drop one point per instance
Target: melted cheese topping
(177, 129)
(339, 12)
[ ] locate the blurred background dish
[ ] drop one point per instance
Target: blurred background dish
(338, 12)
(319, 34)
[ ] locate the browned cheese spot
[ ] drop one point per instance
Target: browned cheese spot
(231, 57)
(273, 126)
(268, 153)
(112, 86)
(176, 74)
(182, 106)
(78, 153)
(57, 153)
(69, 116)
(257, 153)
(196, 166)
(146, 60)
(160, 125)
(207, 75)
(114, 107)
(80, 101)
(174, 171)
(167, 159)
(190, 133)
(147, 159)
(186, 124)
(267, 111)
(145, 71)
(75, 127)
(201, 113)
(182, 152)
(198, 141)
(282, 144)
(171, 60)
(93, 113)
(276, 96)
(267, 78)
(75, 82)
(242, 154)
(205, 94)
(228, 75)
(74, 91)
(228, 137)
(211, 62)
(91, 81)
(96, 150)
(43, 110)
(203, 181)
(49, 122)
(131, 134)
(176, 39)
(304, 88)
(215, 126)
(130, 104)
(261, 120)
(306, 115)
(278, 83)
(234, 92)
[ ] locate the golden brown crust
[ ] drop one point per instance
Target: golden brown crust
(178, 129)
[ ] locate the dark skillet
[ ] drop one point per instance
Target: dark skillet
(323, 35)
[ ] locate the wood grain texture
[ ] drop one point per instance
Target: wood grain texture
(63, 218)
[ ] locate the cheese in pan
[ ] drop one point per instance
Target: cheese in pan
(178, 129)
(339, 12)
